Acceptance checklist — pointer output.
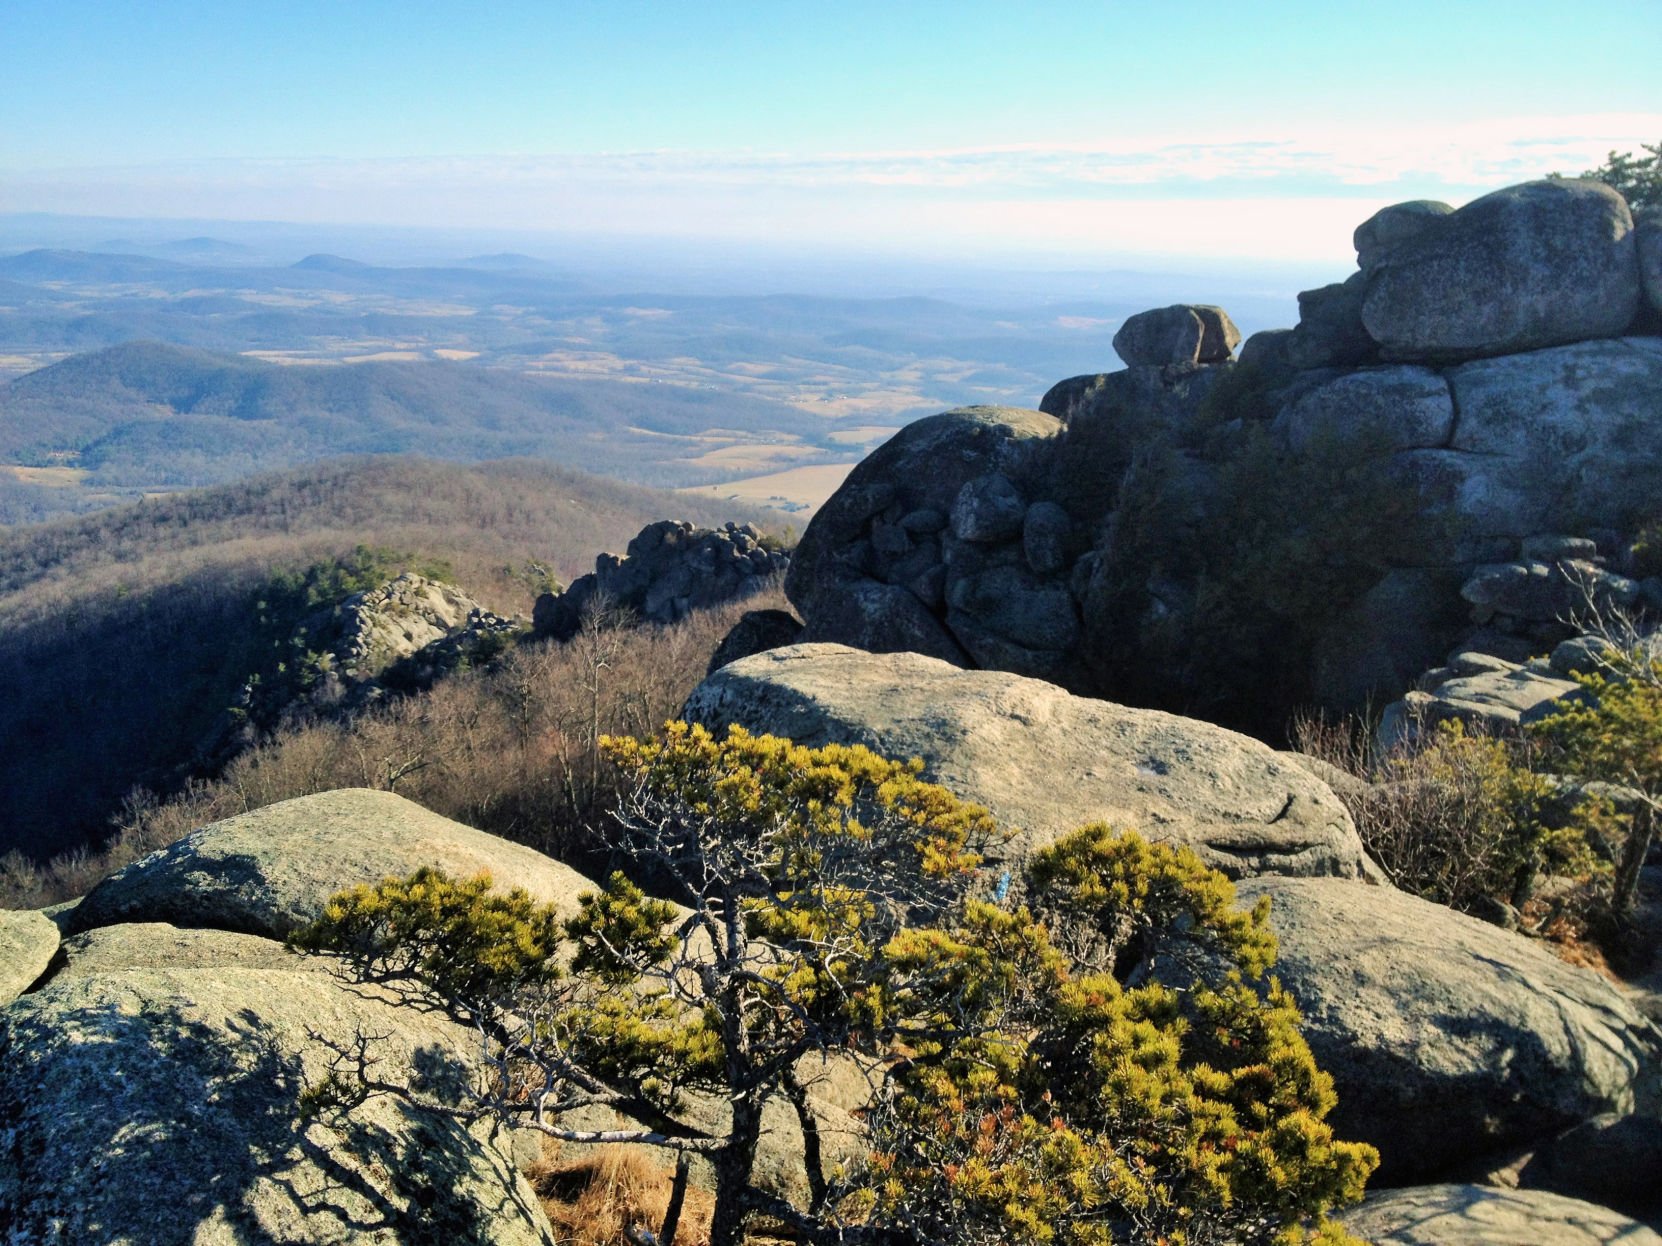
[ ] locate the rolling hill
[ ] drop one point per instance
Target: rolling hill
(124, 635)
(147, 415)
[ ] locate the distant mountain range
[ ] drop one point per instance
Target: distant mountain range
(893, 357)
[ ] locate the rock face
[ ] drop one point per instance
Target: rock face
(1568, 434)
(28, 941)
(671, 568)
(1185, 333)
(924, 532)
(1044, 761)
(1536, 265)
(270, 871)
(162, 1105)
(1475, 1215)
(1447, 1038)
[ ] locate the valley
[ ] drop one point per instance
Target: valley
(120, 364)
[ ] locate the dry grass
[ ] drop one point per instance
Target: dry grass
(510, 749)
(592, 1197)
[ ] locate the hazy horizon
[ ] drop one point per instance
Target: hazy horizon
(1084, 134)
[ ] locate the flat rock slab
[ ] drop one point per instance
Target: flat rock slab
(28, 941)
(157, 945)
(1447, 1038)
(1475, 1215)
(162, 1106)
(272, 870)
(1044, 761)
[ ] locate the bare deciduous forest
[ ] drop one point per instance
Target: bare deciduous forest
(125, 635)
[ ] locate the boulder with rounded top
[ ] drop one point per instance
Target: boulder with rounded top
(1182, 333)
(272, 870)
(1046, 762)
(1542, 264)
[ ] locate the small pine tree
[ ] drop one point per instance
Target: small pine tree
(1614, 734)
(1035, 1081)
(1637, 176)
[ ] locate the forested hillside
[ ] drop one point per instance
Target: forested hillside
(125, 635)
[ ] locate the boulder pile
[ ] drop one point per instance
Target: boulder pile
(671, 568)
(152, 1070)
(158, 1041)
(1459, 1049)
(151, 1081)
(396, 636)
(1487, 375)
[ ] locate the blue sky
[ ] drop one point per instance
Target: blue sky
(1171, 128)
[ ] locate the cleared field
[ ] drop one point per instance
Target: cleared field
(49, 477)
(752, 458)
(798, 491)
(861, 434)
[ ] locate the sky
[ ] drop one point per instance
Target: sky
(1091, 130)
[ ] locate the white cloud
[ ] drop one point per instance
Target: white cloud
(1290, 195)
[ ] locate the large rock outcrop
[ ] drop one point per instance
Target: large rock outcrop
(1447, 1038)
(270, 871)
(671, 568)
(397, 636)
(897, 557)
(1242, 539)
(1046, 762)
(164, 1105)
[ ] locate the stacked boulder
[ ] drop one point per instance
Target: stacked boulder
(1527, 645)
(1500, 364)
(670, 569)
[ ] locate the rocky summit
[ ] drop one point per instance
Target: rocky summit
(1429, 492)
(669, 569)
(153, 1071)
(1240, 536)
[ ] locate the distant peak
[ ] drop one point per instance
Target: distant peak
(330, 263)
